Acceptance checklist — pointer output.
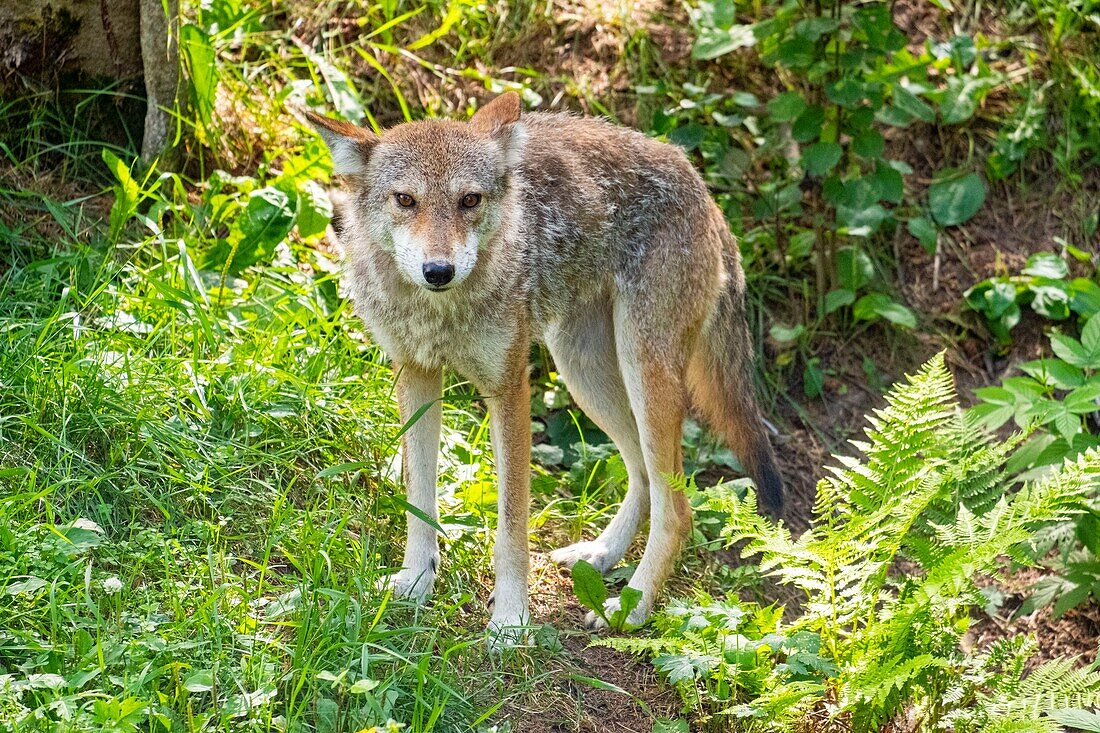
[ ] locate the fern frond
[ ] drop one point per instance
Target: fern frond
(1057, 684)
(1017, 725)
(639, 645)
(877, 685)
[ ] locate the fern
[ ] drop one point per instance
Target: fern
(652, 646)
(1015, 725)
(931, 487)
(1056, 685)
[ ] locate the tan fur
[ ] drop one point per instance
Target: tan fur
(595, 239)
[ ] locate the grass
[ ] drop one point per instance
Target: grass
(198, 494)
(168, 548)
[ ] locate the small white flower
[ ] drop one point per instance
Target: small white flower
(112, 585)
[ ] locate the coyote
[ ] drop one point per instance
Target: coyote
(467, 240)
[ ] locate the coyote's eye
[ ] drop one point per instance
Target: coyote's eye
(471, 200)
(404, 200)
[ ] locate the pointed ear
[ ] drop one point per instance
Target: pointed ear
(349, 145)
(499, 118)
(504, 110)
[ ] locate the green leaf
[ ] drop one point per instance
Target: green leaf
(343, 93)
(198, 51)
(688, 136)
(267, 219)
(1055, 373)
(1090, 339)
(995, 298)
(857, 210)
(598, 684)
(835, 299)
(808, 125)
(1065, 422)
(1086, 297)
(455, 13)
(854, 268)
(200, 681)
(30, 584)
(797, 53)
(1084, 720)
(786, 334)
(813, 378)
(1074, 352)
(960, 99)
(1046, 264)
(345, 468)
(820, 158)
(847, 92)
(815, 26)
(628, 601)
(913, 106)
(685, 667)
(589, 588)
(802, 244)
(993, 416)
(664, 725)
(1088, 532)
(869, 144)
(925, 232)
(955, 200)
(888, 183)
(876, 24)
(314, 210)
(676, 667)
(715, 42)
(786, 107)
(126, 194)
(363, 686)
(79, 536)
(880, 305)
(419, 513)
(1050, 299)
(1083, 399)
(1070, 600)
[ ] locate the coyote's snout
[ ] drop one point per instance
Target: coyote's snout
(465, 241)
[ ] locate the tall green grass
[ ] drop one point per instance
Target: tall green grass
(196, 501)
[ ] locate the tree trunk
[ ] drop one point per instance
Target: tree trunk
(129, 46)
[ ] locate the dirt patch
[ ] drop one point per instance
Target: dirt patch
(583, 55)
(1073, 634)
(568, 701)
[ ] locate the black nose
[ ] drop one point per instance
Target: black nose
(438, 273)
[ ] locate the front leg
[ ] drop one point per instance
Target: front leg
(416, 388)
(510, 433)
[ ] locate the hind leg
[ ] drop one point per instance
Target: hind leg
(651, 361)
(584, 351)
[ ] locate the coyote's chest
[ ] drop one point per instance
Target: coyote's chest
(473, 339)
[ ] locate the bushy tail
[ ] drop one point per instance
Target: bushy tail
(720, 378)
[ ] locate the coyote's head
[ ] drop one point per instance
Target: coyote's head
(432, 192)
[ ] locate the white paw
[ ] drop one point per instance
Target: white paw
(595, 553)
(415, 585)
(611, 607)
(508, 630)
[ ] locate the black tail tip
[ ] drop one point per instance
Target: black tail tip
(769, 487)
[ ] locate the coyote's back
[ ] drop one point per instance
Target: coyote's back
(603, 204)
